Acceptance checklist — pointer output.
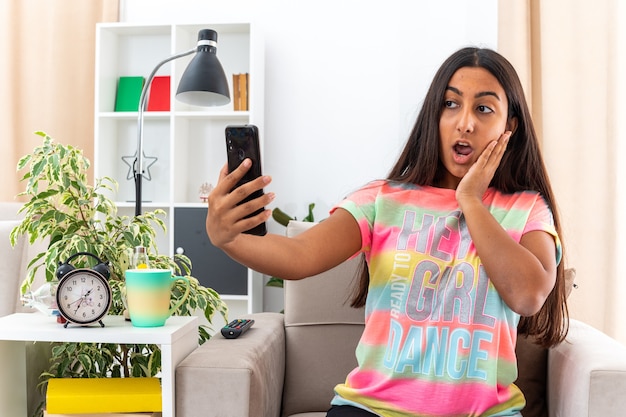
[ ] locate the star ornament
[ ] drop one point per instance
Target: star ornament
(131, 160)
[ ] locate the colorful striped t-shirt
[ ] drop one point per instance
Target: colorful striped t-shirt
(438, 339)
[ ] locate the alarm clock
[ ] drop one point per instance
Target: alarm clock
(83, 295)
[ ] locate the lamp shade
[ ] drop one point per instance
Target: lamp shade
(204, 82)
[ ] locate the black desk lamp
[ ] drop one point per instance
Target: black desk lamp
(203, 84)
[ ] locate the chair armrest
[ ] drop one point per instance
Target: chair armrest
(586, 374)
(240, 377)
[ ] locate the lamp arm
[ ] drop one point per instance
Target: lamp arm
(142, 107)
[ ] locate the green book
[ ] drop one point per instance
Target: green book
(128, 93)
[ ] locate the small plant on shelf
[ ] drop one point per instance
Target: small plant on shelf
(75, 216)
(283, 218)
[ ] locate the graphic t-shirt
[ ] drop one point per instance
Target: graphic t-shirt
(438, 339)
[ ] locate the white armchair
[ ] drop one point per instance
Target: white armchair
(288, 365)
(14, 261)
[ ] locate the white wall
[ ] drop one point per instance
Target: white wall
(343, 80)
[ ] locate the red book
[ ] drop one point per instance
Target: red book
(159, 99)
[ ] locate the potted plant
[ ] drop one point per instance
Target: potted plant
(283, 218)
(75, 216)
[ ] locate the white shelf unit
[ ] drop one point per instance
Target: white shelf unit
(177, 339)
(187, 140)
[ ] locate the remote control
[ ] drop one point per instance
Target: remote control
(236, 328)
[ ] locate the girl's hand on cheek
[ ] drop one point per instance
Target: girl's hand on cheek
(474, 184)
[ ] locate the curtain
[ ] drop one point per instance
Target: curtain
(569, 54)
(47, 77)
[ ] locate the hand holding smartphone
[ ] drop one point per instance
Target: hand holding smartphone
(243, 142)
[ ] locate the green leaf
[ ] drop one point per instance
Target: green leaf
(58, 350)
(59, 217)
(38, 168)
(204, 334)
(71, 348)
(275, 282)
(23, 162)
(116, 371)
(47, 193)
(85, 362)
(281, 217)
(53, 165)
(310, 217)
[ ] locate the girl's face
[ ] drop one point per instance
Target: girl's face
(475, 113)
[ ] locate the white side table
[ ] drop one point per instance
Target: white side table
(177, 339)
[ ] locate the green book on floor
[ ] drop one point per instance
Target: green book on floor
(128, 93)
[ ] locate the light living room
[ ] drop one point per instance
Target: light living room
(341, 84)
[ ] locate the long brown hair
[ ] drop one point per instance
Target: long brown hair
(522, 168)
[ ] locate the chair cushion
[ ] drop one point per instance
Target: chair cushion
(324, 298)
(532, 367)
(318, 357)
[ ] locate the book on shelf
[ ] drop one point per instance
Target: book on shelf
(103, 395)
(159, 98)
(240, 91)
(236, 100)
(157, 414)
(128, 93)
(243, 90)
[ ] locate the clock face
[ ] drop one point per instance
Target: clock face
(83, 296)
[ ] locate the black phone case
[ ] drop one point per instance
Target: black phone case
(243, 142)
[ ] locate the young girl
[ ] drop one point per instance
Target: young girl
(462, 249)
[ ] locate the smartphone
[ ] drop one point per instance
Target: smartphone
(243, 142)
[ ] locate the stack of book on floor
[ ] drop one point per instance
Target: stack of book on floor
(100, 397)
